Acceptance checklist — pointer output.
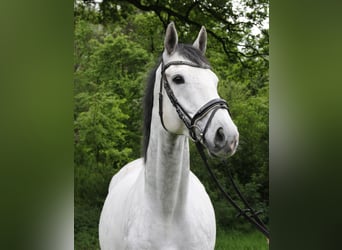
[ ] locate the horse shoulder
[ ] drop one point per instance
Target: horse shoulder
(129, 171)
(111, 224)
(202, 213)
(198, 192)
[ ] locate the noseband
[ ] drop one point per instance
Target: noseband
(190, 122)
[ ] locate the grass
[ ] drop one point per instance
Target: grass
(234, 240)
(86, 234)
(225, 240)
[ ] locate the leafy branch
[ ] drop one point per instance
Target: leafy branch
(228, 45)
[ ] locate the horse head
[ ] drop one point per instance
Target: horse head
(193, 106)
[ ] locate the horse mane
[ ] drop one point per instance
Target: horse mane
(187, 51)
(147, 107)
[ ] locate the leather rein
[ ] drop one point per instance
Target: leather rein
(190, 122)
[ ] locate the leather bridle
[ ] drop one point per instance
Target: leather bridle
(190, 122)
(199, 138)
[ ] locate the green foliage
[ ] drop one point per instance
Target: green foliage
(116, 44)
(86, 233)
(100, 131)
(146, 30)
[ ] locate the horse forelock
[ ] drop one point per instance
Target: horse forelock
(192, 54)
(188, 52)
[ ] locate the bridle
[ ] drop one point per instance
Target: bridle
(190, 122)
(199, 138)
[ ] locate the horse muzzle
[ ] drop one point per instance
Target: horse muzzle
(224, 142)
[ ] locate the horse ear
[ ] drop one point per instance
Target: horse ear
(171, 38)
(201, 40)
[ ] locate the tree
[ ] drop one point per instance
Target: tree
(228, 22)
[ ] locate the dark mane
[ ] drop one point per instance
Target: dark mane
(147, 107)
(189, 52)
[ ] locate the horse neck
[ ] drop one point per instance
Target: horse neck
(167, 171)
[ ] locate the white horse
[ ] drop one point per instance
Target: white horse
(156, 202)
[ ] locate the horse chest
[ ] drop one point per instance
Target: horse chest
(145, 230)
(164, 237)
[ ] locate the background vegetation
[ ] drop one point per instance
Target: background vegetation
(116, 44)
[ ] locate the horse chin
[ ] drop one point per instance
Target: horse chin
(223, 152)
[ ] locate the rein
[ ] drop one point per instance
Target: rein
(248, 212)
(190, 122)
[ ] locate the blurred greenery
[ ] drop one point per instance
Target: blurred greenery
(116, 44)
(36, 129)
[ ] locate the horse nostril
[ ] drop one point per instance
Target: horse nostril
(220, 138)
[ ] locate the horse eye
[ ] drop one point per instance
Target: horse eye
(178, 79)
